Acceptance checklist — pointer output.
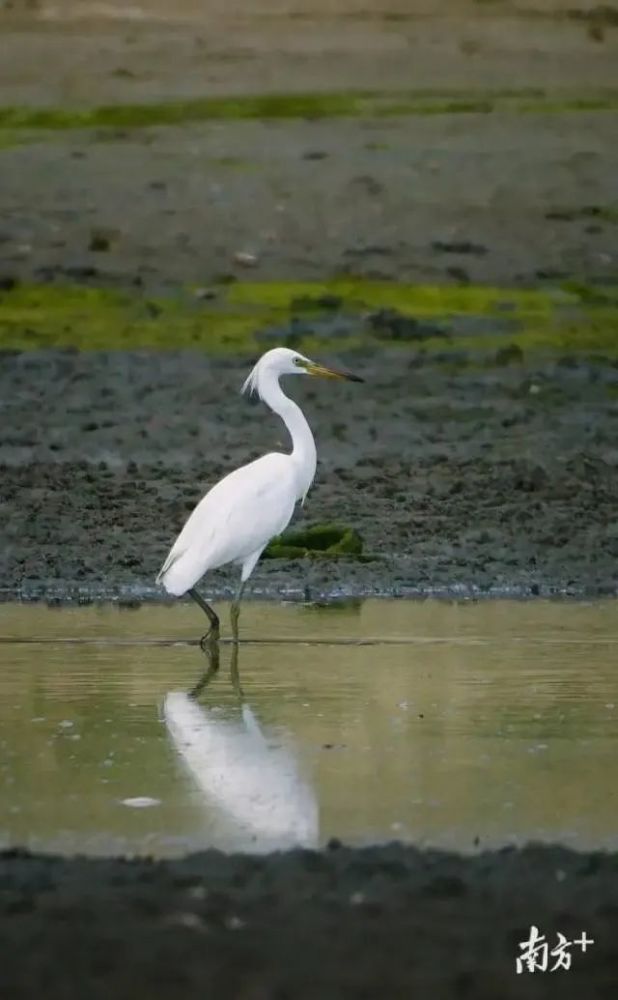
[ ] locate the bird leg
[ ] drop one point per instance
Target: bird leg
(235, 675)
(211, 651)
(235, 611)
(213, 632)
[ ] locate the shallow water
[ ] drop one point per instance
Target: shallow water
(458, 725)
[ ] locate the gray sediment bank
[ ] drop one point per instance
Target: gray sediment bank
(461, 481)
(390, 921)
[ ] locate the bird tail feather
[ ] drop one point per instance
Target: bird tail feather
(169, 562)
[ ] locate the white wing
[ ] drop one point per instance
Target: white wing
(236, 519)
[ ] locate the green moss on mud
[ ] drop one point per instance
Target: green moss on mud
(329, 540)
(338, 104)
(101, 319)
(245, 318)
(422, 300)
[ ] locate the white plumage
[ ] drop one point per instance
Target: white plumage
(237, 518)
(233, 522)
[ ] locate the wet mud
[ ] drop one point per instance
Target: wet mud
(517, 194)
(459, 479)
(388, 921)
(463, 474)
(462, 477)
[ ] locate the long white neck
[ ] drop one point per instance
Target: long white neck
(303, 454)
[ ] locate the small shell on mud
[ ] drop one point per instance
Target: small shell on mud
(245, 259)
(141, 802)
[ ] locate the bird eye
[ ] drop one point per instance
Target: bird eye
(298, 361)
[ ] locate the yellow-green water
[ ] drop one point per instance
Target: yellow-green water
(458, 725)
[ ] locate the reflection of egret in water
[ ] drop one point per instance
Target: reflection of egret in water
(249, 785)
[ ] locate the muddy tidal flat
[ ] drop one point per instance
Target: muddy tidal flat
(460, 480)
(427, 198)
(454, 242)
(341, 923)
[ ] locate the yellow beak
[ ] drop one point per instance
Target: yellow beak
(313, 369)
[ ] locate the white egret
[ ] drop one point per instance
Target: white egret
(240, 514)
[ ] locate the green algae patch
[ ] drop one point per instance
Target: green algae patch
(335, 104)
(101, 319)
(320, 540)
(245, 318)
(479, 320)
(360, 294)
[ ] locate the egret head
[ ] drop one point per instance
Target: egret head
(283, 361)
